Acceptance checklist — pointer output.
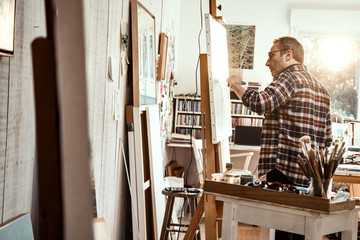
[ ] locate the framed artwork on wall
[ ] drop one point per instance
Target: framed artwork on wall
(163, 56)
(144, 51)
(241, 47)
(7, 26)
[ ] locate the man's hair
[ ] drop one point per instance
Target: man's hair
(290, 43)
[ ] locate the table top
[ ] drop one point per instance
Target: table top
(275, 197)
(244, 147)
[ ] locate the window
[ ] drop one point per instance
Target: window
(317, 28)
(334, 63)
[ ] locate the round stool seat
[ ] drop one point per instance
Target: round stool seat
(183, 192)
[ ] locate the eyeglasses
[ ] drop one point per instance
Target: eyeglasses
(269, 53)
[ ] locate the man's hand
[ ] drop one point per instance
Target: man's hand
(235, 83)
(234, 80)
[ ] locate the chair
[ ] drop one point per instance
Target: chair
(247, 155)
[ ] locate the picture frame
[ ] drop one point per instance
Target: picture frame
(164, 39)
(144, 53)
(7, 26)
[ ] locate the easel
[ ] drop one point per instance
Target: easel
(211, 161)
(211, 164)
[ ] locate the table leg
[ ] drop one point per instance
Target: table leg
(352, 233)
(229, 226)
(313, 230)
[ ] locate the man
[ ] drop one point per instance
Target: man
(295, 104)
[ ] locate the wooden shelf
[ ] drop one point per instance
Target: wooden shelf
(182, 145)
(247, 116)
(188, 126)
(188, 112)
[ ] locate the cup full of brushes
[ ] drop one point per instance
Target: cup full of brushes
(319, 166)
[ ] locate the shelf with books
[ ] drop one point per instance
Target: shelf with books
(187, 118)
(241, 115)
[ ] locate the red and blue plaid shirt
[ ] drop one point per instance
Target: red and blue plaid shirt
(294, 104)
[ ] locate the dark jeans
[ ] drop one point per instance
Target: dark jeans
(276, 176)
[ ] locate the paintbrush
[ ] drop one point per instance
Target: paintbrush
(318, 158)
(341, 146)
(337, 161)
(326, 154)
(303, 166)
(303, 141)
(318, 185)
(333, 153)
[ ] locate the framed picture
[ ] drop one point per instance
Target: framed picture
(7, 26)
(144, 51)
(163, 56)
(241, 46)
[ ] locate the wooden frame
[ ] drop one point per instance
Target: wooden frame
(7, 26)
(143, 54)
(148, 205)
(164, 39)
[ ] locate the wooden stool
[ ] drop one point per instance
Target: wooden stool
(191, 194)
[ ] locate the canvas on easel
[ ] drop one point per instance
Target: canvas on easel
(218, 70)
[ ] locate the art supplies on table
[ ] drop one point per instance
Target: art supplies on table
(319, 166)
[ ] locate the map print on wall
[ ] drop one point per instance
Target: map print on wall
(241, 46)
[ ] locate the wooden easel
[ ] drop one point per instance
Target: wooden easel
(211, 164)
(211, 161)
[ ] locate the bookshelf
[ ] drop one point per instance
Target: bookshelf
(242, 116)
(187, 116)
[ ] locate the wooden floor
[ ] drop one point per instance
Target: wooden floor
(248, 232)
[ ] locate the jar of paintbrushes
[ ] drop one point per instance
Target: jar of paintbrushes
(319, 166)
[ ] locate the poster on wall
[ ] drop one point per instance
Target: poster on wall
(7, 26)
(241, 47)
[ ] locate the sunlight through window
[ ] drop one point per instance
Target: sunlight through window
(336, 53)
(334, 63)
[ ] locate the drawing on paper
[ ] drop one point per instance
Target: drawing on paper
(241, 46)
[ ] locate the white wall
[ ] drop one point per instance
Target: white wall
(103, 21)
(271, 18)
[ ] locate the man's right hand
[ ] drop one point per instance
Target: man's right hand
(235, 80)
(235, 83)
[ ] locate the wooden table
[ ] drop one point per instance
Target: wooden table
(311, 223)
(347, 176)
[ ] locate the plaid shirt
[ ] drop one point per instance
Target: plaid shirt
(294, 104)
